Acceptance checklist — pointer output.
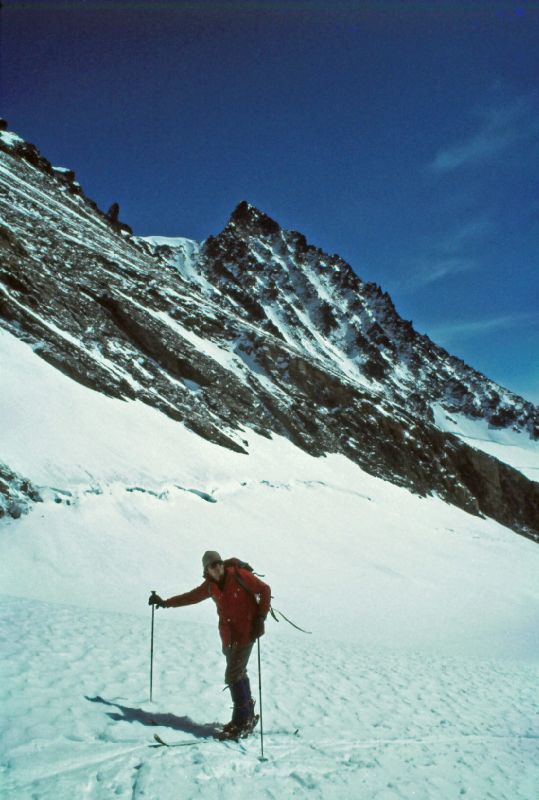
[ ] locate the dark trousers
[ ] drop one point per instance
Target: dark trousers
(237, 658)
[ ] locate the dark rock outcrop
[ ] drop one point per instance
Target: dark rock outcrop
(17, 494)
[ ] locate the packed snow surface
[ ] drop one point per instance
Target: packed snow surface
(370, 724)
(419, 678)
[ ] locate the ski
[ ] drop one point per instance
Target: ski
(160, 742)
(189, 743)
(282, 732)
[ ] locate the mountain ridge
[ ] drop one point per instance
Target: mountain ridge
(258, 329)
(247, 220)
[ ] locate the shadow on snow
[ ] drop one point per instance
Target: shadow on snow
(185, 724)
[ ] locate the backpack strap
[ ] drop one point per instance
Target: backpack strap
(243, 585)
(271, 610)
(276, 611)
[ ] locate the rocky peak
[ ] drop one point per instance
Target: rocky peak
(248, 220)
(316, 301)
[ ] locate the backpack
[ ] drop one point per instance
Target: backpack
(237, 563)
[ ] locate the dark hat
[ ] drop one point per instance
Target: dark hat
(209, 557)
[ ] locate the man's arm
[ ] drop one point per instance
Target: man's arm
(188, 598)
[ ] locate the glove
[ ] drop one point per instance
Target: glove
(155, 600)
(258, 627)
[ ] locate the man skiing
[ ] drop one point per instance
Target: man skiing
(242, 601)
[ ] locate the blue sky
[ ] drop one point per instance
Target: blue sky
(402, 135)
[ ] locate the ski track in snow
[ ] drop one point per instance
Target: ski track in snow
(78, 722)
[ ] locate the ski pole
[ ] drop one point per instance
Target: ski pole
(151, 649)
(260, 699)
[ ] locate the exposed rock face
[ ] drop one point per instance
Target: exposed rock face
(17, 494)
(253, 328)
(113, 213)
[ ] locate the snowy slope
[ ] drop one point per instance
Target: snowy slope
(507, 445)
(114, 473)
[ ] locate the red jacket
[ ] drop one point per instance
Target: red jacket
(237, 607)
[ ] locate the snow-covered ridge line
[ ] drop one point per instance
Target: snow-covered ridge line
(16, 147)
(95, 233)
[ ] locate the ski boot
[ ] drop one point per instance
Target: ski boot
(243, 717)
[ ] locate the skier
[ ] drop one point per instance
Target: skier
(242, 601)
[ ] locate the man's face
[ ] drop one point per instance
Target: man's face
(216, 570)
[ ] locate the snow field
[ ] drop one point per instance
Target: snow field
(372, 571)
(78, 721)
(515, 448)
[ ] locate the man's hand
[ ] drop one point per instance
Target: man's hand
(258, 627)
(155, 600)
